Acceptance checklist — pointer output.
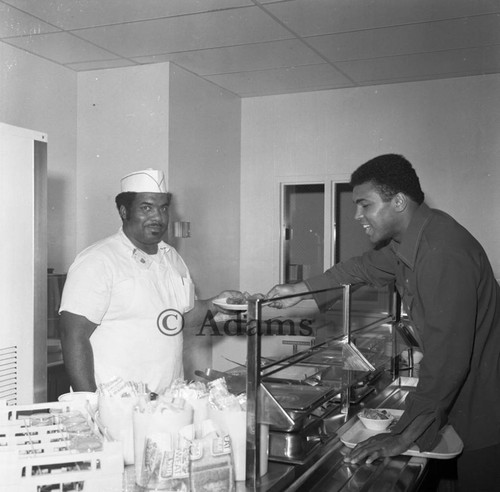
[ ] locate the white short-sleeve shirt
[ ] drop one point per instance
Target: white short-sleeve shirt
(137, 301)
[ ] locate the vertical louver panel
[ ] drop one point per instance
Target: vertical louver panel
(8, 374)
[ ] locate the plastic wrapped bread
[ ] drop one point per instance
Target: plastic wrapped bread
(211, 461)
(158, 445)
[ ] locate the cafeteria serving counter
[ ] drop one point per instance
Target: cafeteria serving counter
(357, 358)
(357, 343)
(328, 472)
(324, 469)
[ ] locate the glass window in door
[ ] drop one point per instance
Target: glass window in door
(350, 238)
(303, 231)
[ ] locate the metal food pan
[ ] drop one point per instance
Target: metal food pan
(297, 396)
(295, 373)
(299, 402)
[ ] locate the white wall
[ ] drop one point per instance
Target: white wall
(163, 117)
(40, 95)
(122, 127)
(205, 179)
(449, 130)
(204, 172)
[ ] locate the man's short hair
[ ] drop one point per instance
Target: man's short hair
(126, 198)
(390, 174)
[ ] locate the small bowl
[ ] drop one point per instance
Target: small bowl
(376, 424)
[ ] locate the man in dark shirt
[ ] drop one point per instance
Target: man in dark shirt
(449, 291)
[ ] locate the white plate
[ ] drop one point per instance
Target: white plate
(448, 446)
(230, 307)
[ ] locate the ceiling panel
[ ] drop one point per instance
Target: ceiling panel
(262, 47)
(16, 23)
(422, 66)
(61, 47)
(77, 14)
(314, 17)
(478, 31)
(246, 58)
(100, 64)
(191, 32)
(297, 79)
(71, 14)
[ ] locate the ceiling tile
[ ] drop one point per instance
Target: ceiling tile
(225, 28)
(314, 17)
(61, 47)
(100, 64)
(153, 58)
(443, 64)
(16, 23)
(260, 47)
(416, 38)
(75, 14)
(258, 56)
(280, 81)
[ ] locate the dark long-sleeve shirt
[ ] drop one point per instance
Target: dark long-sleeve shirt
(450, 293)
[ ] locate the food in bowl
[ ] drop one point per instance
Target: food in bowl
(376, 419)
(375, 414)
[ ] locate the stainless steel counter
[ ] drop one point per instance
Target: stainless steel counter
(325, 470)
(277, 479)
(328, 472)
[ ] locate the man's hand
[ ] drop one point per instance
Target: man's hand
(379, 446)
(285, 290)
(228, 293)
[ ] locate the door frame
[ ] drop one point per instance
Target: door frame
(329, 181)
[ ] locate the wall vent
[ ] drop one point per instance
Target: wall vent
(8, 374)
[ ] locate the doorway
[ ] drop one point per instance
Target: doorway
(303, 231)
(317, 228)
(349, 237)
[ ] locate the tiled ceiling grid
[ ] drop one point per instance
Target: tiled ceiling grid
(264, 47)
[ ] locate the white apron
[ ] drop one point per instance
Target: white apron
(140, 338)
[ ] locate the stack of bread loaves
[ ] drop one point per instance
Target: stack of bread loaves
(177, 447)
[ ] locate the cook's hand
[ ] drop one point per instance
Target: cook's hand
(375, 447)
(285, 290)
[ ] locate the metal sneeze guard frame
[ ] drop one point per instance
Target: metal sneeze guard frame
(259, 400)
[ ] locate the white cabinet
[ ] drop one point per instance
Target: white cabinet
(23, 289)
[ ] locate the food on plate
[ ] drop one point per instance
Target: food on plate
(236, 300)
(243, 298)
(374, 414)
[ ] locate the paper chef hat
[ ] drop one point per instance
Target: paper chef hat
(146, 181)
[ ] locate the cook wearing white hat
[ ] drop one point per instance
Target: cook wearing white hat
(145, 181)
(118, 288)
(125, 297)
